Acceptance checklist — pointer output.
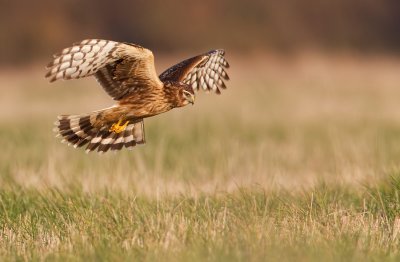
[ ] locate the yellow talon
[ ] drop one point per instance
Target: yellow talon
(117, 128)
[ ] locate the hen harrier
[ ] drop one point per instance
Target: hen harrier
(127, 73)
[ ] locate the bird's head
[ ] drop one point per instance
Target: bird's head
(186, 95)
(180, 94)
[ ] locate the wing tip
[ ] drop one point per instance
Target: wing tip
(48, 74)
(226, 64)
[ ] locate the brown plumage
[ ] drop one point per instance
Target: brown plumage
(127, 73)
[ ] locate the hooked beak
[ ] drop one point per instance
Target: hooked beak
(192, 98)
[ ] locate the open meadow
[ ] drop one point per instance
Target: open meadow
(297, 160)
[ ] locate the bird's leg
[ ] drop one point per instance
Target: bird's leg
(117, 128)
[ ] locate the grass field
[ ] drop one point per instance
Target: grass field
(297, 160)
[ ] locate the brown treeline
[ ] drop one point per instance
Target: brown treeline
(32, 29)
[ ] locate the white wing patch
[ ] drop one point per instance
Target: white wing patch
(82, 59)
(87, 57)
(210, 73)
(98, 57)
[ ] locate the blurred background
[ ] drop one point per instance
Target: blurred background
(314, 93)
(32, 30)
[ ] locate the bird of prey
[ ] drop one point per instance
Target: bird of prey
(127, 73)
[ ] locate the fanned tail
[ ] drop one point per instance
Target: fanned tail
(78, 131)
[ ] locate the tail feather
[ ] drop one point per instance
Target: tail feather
(129, 140)
(118, 143)
(107, 142)
(78, 131)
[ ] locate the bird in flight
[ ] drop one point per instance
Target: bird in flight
(127, 73)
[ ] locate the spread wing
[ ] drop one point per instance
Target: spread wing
(206, 71)
(120, 68)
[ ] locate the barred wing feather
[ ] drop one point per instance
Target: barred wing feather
(206, 71)
(119, 67)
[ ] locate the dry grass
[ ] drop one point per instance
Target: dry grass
(214, 179)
